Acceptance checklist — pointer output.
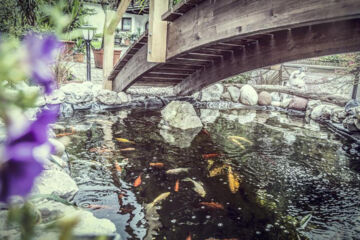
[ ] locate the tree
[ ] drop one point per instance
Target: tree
(112, 19)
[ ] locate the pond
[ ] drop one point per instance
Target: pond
(248, 175)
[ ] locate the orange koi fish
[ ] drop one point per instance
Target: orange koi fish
(176, 188)
(210, 155)
(117, 167)
(188, 237)
(213, 205)
(156, 164)
(137, 181)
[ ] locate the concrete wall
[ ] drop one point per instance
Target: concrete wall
(97, 20)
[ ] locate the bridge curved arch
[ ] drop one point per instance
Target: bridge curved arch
(218, 39)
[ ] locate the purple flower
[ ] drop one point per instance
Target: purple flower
(42, 52)
(23, 159)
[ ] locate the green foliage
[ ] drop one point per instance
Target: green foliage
(96, 44)
(241, 78)
(17, 17)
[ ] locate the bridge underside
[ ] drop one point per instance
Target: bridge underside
(198, 63)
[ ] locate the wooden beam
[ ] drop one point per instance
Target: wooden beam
(304, 42)
(157, 31)
(216, 21)
(132, 70)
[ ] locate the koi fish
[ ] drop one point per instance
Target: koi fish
(127, 149)
(117, 167)
(95, 206)
(188, 237)
(216, 171)
(157, 200)
(159, 165)
(238, 143)
(124, 140)
(99, 150)
(137, 181)
(198, 187)
(177, 170)
(210, 155)
(213, 205)
(176, 188)
(234, 181)
(240, 138)
(205, 131)
(65, 133)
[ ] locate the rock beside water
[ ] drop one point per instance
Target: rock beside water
(181, 115)
(234, 93)
(212, 93)
(298, 103)
(248, 95)
(264, 98)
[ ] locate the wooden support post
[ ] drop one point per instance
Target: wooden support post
(157, 31)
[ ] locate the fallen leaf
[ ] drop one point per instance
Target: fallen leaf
(158, 164)
(213, 205)
(137, 181)
(176, 188)
(210, 155)
(234, 180)
(127, 149)
(124, 140)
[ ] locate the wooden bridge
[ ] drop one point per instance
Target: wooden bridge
(199, 42)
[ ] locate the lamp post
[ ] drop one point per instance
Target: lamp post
(88, 34)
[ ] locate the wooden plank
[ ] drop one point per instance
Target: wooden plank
(157, 37)
(131, 71)
(174, 70)
(214, 21)
(300, 44)
(164, 75)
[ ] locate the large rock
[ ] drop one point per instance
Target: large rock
(55, 182)
(107, 97)
(338, 115)
(88, 224)
(322, 112)
(123, 98)
(59, 147)
(285, 102)
(350, 124)
(77, 93)
(248, 95)
(181, 115)
(310, 107)
(264, 98)
(209, 115)
(234, 93)
(57, 97)
(298, 103)
(226, 97)
(212, 93)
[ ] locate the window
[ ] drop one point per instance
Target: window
(126, 24)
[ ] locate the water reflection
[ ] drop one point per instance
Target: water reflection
(290, 169)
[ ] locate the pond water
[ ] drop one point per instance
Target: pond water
(275, 177)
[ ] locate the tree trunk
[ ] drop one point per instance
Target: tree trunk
(109, 38)
(323, 96)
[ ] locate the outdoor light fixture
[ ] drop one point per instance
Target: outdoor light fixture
(88, 34)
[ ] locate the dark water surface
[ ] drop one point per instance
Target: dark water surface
(290, 170)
